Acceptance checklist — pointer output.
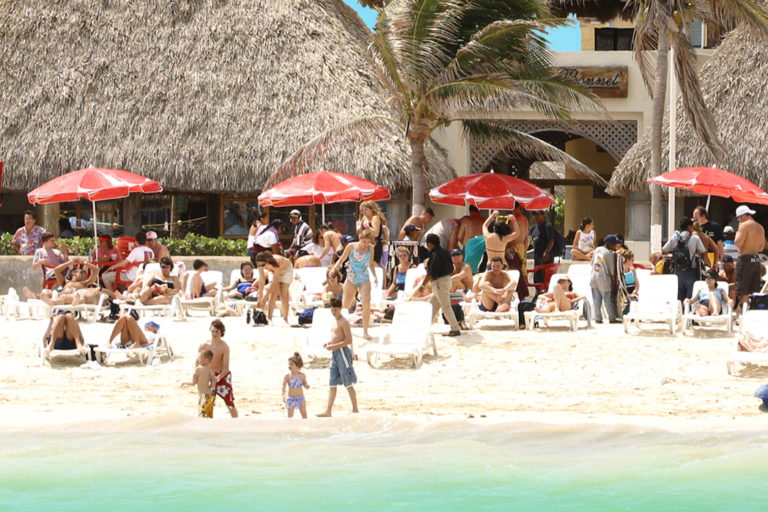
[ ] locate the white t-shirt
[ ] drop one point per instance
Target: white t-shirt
(267, 238)
(141, 254)
(443, 229)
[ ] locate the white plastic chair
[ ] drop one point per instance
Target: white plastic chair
(725, 318)
(583, 308)
(753, 321)
(145, 355)
(207, 304)
(656, 303)
(408, 335)
(475, 315)
(313, 279)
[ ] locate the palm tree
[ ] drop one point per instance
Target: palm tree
(659, 26)
(446, 61)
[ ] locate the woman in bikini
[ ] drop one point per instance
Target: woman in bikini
(278, 288)
(331, 244)
(397, 277)
(360, 255)
(496, 241)
(63, 333)
(373, 220)
(333, 288)
(295, 381)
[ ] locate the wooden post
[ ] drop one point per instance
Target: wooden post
(131, 214)
(48, 217)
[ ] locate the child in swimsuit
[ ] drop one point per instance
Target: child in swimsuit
(295, 381)
(205, 378)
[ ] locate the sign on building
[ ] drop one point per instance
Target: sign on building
(602, 81)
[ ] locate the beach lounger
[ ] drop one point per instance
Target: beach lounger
(14, 307)
(145, 355)
(166, 310)
(724, 319)
(319, 333)
(754, 322)
(313, 279)
(656, 303)
(408, 335)
(475, 315)
(61, 355)
(89, 312)
(207, 304)
(582, 307)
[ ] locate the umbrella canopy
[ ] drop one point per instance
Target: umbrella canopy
(93, 184)
(322, 187)
(713, 181)
(491, 191)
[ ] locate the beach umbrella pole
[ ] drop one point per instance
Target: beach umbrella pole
(95, 234)
(323, 213)
(709, 196)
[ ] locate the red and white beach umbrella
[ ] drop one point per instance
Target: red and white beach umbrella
(492, 191)
(712, 181)
(322, 187)
(93, 184)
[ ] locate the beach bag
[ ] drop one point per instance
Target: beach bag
(522, 307)
(758, 301)
(306, 316)
(258, 317)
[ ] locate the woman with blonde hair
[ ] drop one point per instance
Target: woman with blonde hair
(360, 255)
(373, 220)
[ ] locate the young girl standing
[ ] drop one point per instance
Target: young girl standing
(295, 381)
(585, 241)
(360, 255)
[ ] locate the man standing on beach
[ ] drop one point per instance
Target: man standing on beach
(439, 271)
(302, 233)
(420, 221)
(341, 359)
(29, 237)
(750, 239)
(470, 226)
(220, 365)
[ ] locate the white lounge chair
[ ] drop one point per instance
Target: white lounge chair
(724, 319)
(582, 307)
(313, 279)
(207, 304)
(475, 315)
(90, 312)
(320, 333)
(59, 355)
(14, 307)
(754, 322)
(166, 310)
(412, 275)
(408, 335)
(656, 303)
(145, 355)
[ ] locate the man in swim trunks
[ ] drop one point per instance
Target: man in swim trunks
(750, 239)
(462, 272)
(497, 287)
(220, 365)
(341, 359)
(205, 379)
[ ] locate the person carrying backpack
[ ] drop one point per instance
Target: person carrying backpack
(686, 248)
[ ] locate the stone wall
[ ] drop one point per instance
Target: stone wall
(16, 271)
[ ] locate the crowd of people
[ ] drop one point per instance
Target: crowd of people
(463, 259)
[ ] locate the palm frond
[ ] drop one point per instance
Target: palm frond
(506, 139)
(388, 70)
(602, 10)
(356, 131)
(646, 40)
(752, 13)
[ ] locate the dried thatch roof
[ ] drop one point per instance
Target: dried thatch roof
(205, 95)
(735, 85)
(602, 10)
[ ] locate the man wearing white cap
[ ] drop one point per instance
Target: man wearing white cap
(750, 240)
(159, 249)
(302, 233)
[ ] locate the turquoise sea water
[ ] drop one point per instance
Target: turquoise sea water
(386, 467)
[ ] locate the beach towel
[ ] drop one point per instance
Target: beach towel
(473, 252)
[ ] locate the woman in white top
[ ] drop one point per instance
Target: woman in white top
(261, 220)
(585, 241)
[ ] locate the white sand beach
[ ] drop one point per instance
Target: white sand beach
(598, 375)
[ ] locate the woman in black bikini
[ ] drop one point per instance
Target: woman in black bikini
(496, 241)
(63, 333)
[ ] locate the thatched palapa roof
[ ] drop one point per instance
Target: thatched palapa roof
(205, 95)
(735, 86)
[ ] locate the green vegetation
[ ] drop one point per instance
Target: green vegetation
(191, 245)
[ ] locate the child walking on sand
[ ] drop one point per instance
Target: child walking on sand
(295, 381)
(205, 378)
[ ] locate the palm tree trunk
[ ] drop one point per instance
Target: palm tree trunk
(417, 138)
(657, 122)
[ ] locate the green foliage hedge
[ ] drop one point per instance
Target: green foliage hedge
(191, 245)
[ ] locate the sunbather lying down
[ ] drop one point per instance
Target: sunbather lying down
(748, 342)
(561, 298)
